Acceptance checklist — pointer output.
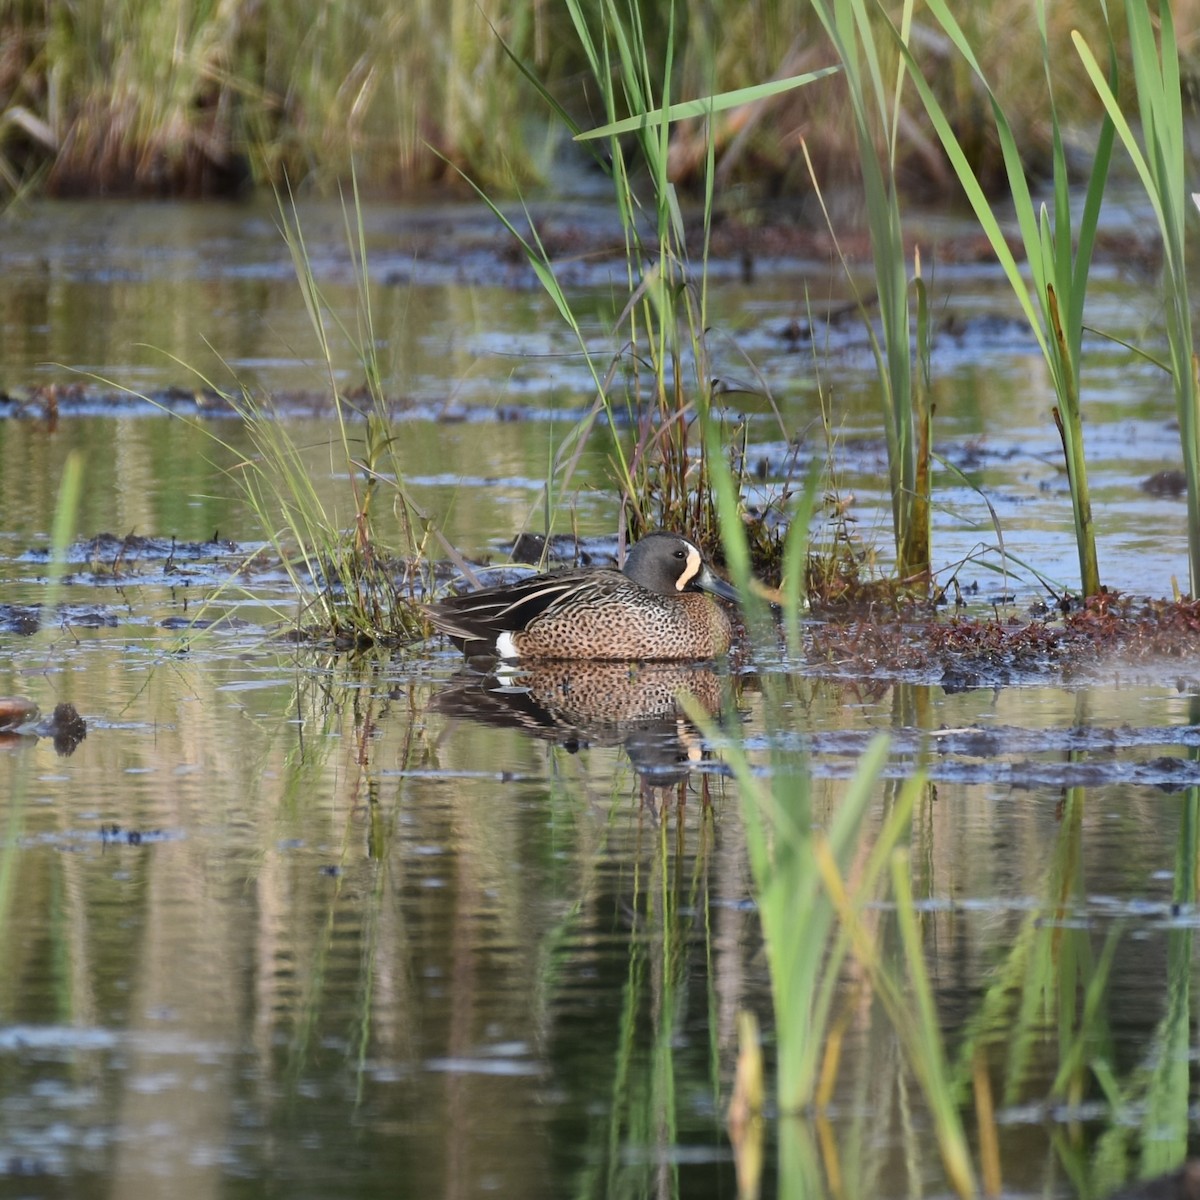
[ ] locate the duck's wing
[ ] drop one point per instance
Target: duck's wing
(513, 607)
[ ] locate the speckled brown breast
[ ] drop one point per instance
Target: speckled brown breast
(639, 625)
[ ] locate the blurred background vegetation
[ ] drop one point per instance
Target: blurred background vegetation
(212, 97)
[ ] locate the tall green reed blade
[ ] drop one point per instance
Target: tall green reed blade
(877, 107)
(927, 1050)
(1167, 1120)
(810, 920)
(804, 950)
(796, 917)
(910, 1010)
(732, 528)
(1059, 257)
(915, 557)
(795, 561)
(66, 512)
(662, 326)
(1161, 166)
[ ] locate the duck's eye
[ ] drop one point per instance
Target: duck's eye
(681, 554)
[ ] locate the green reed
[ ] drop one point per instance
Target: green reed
(665, 314)
(812, 906)
(1162, 167)
(1058, 254)
(659, 378)
(876, 106)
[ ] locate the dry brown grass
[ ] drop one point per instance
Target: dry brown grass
(149, 98)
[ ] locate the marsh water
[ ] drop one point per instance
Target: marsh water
(294, 922)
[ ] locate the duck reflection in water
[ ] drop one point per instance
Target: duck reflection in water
(582, 704)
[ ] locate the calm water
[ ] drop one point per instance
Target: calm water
(294, 924)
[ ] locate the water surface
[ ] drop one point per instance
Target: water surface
(303, 923)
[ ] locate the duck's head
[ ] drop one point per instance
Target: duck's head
(671, 565)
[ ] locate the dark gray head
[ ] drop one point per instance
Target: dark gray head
(669, 565)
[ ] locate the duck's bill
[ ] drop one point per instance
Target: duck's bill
(713, 583)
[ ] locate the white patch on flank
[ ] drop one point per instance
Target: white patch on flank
(694, 563)
(506, 647)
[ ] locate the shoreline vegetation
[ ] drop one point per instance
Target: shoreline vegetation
(163, 99)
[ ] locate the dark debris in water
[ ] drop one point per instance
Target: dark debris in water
(112, 548)
(48, 402)
(564, 549)
(108, 559)
(108, 555)
(993, 741)
(21, 619)
(117, 835)
(116, 554)
(108, 834)
(66, 727)
(19, 720)
(1165, 483)
(25, 1166)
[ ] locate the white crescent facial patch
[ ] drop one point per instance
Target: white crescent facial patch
(694, 563)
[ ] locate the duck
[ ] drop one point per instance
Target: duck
(664, 604)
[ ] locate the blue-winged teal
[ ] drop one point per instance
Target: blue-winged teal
(655, 608)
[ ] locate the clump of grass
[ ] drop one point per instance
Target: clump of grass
(363, 586)
(660, 380)
(356, 560)
(356, 589)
